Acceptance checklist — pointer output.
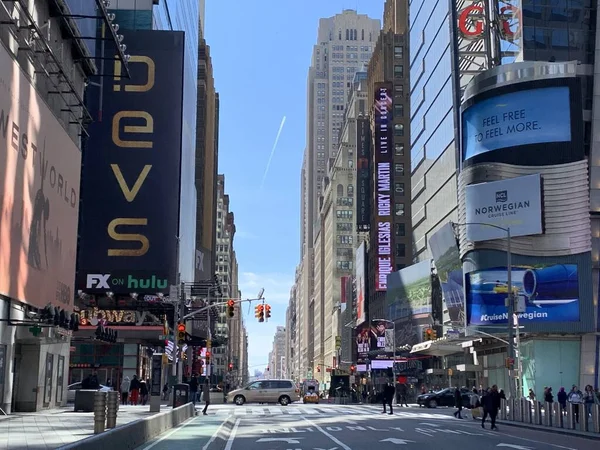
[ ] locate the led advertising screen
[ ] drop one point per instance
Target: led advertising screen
(363, 174)
(383, 180)
(533, 116)
(129, 218)
(515, 203)
(547, 293)
(360, 277)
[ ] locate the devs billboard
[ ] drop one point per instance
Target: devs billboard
(547, 292)
(515, 203)
(39, 195)
(533, 116)
(131, 169)
(384, 138)
(363, 174)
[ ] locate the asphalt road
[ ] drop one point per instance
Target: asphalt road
(352, 427)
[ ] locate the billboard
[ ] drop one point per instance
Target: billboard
(446, 258)
(534, 116)
(547, 293)
(131, 170)
(39, 195)
(515, 203)
(384, 138)
(203, 265)
(360, 277)
(363, 174)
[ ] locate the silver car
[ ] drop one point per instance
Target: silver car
(73, 388)
(283, 392)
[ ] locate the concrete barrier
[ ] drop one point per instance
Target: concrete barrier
(134, 434)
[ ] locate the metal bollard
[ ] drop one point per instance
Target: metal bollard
(548, 414)
(570, 417)
(112, 406)
(596, 418)
(537, 413)
(503, 409)
(512, 411)
(99, 412)
(525, 410)
(557, 417)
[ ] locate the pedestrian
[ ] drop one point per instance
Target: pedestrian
(576, 399)
(125, 385)
(134, 390)
(589, 399)
(561, 397)
(403, 395)
(491, 404)
(143, 392)
(94, 383)
(458, 403)
(388, 397)
(194, 389)
(206, 395)
(166, 391)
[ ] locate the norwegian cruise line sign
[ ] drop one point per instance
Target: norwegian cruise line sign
(515, 203)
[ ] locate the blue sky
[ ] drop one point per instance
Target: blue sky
(261, 52)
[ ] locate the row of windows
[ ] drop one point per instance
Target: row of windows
(345, 201)
(344, 214)
(344, 265)
(344, 239)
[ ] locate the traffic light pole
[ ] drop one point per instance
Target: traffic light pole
(179, 365)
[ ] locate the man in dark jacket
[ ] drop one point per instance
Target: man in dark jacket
(458, 403)
(491, 404)
(388, 397)
(194, 389)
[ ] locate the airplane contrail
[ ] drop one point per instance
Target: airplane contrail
(272, 152)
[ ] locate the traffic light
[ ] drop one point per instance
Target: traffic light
(230, 309)
(267, 311)
(259, 312)
(433, 334)
(181, 333)
(427, 334)
(352, 369)
(207, 357)
(230, 367)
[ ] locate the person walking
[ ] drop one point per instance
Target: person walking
(589, 399)
(388, 397)
(206, 395)
(125, 385)
(458, 403)
(491, 404)
(134, 390)
(576, 399)
(194, 389)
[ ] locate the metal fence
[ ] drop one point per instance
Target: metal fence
(573, 417)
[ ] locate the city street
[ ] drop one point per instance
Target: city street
(351, 427)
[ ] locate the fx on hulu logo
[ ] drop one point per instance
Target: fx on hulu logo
(105, 281)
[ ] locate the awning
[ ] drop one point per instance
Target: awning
(438, 348)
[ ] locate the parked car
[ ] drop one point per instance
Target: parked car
(72, 388)
(283, 392)
(445, 397)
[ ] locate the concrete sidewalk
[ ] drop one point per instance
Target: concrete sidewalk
(53, 428)
(564, 431)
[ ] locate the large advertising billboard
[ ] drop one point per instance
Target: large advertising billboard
(514, 203)
(203, 265)
(409, 300)
(533, 116)
(131, 171)
(360, 281)
(446, 257)
(384, 137)
(39, 195)
(547, 292)
(363, 174)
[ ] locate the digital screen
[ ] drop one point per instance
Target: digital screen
(534, 116)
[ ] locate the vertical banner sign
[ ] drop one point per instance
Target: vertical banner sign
(383, 181)
(131, 171)
(363, 142)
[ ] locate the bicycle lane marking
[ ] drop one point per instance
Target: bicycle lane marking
(329, 435)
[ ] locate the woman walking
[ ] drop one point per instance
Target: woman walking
(125, 385)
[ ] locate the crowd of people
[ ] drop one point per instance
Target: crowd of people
(581, 401)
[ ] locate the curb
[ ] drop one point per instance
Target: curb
(134, 434)
(563, 431)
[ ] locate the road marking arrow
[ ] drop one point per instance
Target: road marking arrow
(286, 440)
(517, 447)
(397, 441)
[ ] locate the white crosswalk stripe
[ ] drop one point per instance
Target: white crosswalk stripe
(313, 410)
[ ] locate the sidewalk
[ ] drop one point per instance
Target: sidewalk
(565, 431)
(53, 428)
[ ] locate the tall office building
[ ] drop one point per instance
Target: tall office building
(344, 46)
(278, 365)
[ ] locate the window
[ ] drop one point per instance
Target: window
(398, 110)
(399, 209)
(340, 190)
(400, 229)
(344, 265)
(350, 190)
(399, 129)
(399, 89)
(344, 239)
(399, 188)
(344, 226)
(398, 51)
(399, 168)
(399, 149)
(400, 250)
(344, 214)
(399, 71)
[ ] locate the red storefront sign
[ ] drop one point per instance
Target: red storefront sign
(472, 22)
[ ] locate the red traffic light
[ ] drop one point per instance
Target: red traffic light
(230, 366)
(208, 354)
(230, 303)
(181, 327)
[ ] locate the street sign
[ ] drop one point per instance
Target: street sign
(173, 292)
(166, 337)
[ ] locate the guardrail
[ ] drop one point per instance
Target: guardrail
(551, 415)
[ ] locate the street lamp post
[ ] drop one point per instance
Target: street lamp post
(394, 331)
(514, 352)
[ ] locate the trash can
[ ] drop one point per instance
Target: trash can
(182, 395)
